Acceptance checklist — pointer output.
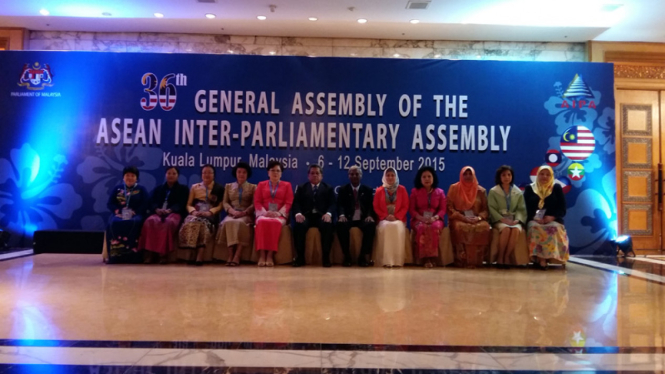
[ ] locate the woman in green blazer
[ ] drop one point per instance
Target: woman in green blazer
(507, 213)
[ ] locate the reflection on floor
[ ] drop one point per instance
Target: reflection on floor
(73, 310)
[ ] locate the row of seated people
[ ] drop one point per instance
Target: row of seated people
(260, 214)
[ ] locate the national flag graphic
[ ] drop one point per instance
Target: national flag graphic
(553, 157)
(577, 143)
(576, 171)
(577, 88)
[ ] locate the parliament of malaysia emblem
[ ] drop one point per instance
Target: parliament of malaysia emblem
(36, 76)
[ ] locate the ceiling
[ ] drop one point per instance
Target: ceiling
(505, 20)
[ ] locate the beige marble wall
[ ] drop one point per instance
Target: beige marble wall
(288, 46)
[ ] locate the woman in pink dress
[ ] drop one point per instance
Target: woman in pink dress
(427, 206)
(168, 203)
(272, 201)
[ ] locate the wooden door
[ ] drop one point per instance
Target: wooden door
(639, 157)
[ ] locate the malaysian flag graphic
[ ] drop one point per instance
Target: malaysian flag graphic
(577, 143)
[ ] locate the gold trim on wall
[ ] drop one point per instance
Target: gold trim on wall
(637, 199)
(649, 214)
(625, 108)
(649, 159)
(639, 71)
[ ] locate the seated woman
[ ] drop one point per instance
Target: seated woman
(238, 203)
(546, 207)
(168, 202)
(427, 207)
(128, 203)
(391, 203)
(467, 214)
(272, 200)
(203, 205)
(507, 213)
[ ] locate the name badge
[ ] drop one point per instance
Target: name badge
(356, 215)
(126, 214)
(203, 207)
(540, 213)
(428, 214)
(272, 207)
(165, 205)
(469, 214)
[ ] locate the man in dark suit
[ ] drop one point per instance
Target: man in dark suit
(313, 206)
(355, 209)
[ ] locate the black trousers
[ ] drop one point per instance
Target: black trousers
(300, 233)
(343, 234)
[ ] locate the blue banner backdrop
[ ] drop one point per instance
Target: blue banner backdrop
(73, 120)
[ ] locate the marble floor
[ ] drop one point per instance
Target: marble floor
(76, 313)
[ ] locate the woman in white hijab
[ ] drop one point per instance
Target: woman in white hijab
(391, 203)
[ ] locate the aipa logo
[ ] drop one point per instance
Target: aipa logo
(578, 95)
(36, 77)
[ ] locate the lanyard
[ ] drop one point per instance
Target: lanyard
(273, 193)
(239, 195)
(166, 200)
(390, 198)
(429, 199)
(206, 192)
(507, 199)
(128, 194)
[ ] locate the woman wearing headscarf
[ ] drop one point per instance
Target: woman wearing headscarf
(467, 215)
(168, 202)
(391, 203)
(546, 207)
(238, 203)
(428, 208)
(203, 205)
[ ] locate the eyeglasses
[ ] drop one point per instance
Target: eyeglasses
(276, 170)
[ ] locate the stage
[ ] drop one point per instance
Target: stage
(74, 310)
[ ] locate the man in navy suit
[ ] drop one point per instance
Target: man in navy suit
(355, 209)
(313, 206)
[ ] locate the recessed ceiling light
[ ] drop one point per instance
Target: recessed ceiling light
(362, 20)
(159, 15)
(230, 51)
(210, 15)
(414, 21)
(353, 54)
(272, 52)
(437, 56)
(313, 19)
(261, 18)
(107, 14)
(44, 12)
(396, 55)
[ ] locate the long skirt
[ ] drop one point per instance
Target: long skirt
(427, 239)
(267, 232)
(390, 243)
(470, 242)
(230, 227)
(158, 235)
(123, 239)
(195, 232)
(549, 241)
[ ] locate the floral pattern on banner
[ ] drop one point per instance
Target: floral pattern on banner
(31, 197)
(592, 203)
